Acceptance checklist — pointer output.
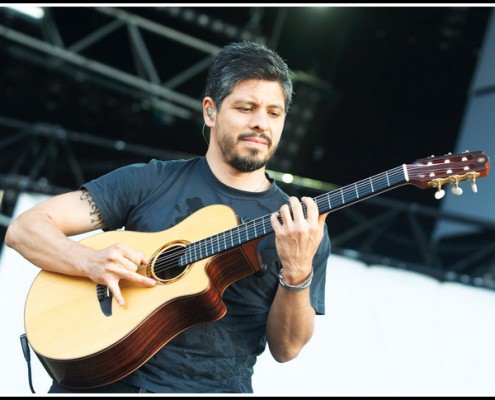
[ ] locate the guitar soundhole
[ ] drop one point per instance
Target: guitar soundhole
(166, 266)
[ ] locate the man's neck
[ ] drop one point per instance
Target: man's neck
(255, 181)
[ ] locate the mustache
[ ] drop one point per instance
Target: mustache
(263, 136)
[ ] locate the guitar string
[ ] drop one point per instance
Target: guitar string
(168, 261)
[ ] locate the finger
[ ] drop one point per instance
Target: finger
(322, 218)
(312, 211)
(297, 209)
(137, 258)
(120, 264)
(117, 294)
(127, 275)
(286, 211)
(127, 261)
(275, 219)
(133, 276)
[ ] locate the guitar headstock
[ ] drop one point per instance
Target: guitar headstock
(434, 172)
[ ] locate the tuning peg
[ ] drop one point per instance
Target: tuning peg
(473, 186)
(457, 190)
(439, 193)
(436, 183)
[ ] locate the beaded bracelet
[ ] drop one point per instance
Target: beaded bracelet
(295, 288)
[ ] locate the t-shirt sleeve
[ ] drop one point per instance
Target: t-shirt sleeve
(117, 192)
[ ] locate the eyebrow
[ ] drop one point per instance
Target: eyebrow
(250, 102)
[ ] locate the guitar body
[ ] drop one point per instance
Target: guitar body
(81, 347)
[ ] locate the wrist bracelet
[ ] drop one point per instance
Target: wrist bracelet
(295, 288)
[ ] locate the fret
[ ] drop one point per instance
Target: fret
(218, 243)
(364, 188)
(209, 253)
(221, 237)
(349, 195)
(255, 229)
(379, 183)
(247, 232)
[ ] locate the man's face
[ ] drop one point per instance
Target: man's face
(249, 125)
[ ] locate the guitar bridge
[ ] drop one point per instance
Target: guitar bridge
(105, 298)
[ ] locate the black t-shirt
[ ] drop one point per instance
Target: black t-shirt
(216, 356)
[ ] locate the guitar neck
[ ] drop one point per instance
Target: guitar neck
(350, 194)
(328, 202)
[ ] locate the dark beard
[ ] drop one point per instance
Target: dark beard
(246, 164)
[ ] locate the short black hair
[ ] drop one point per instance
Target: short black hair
(242, 61)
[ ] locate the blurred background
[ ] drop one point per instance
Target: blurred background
(84, 90)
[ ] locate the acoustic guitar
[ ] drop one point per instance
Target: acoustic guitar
(84, 339)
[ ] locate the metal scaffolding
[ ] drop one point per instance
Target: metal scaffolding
(45, 158)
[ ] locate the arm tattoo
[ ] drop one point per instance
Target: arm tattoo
(95, 215)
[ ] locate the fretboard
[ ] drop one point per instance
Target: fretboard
(262, 226)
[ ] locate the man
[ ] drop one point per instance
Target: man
(248, 93)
